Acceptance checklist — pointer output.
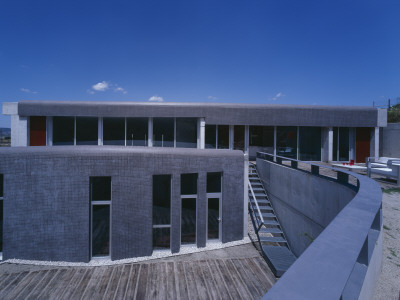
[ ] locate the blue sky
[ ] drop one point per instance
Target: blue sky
(270, 51)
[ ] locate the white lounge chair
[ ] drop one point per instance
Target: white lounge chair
(384, 166)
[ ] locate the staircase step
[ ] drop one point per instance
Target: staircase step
(270, 230)
(266, 215)
(271, 222)
(272, 239)
(265, 208)
(261, 202)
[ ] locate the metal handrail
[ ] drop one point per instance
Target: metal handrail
(258, 208)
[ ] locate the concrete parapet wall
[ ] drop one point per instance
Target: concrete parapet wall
(305, 204)
(345, 260)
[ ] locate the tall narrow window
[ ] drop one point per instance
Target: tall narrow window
(340, 144)
(188, 213)
(100, 193)
(223, 137)
(163, 132)
(186, 132)
(238, 140)
(114, 131)
(287, 141)
(310, 143)
(63, 131)
(1, 213)
(161, 211)
(262, 138)
(136, 131)
(214, 205)
(87, 130)
(211, 136)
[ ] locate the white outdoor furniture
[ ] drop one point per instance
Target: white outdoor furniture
(350, 167)
(384, 166)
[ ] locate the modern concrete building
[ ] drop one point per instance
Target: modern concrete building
(125, 179)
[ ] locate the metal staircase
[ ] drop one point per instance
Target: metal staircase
(271, 237)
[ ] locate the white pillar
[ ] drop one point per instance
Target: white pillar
(231, 136)
(201, 137)
(352, 143)
(275, 134)
(150, 133)
(298, 143)
(19, 131)
(100, 132)
(246, 139)
(330, 144)
(374, 148)
(49, 131)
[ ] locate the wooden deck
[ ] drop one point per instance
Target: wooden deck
(237, 278)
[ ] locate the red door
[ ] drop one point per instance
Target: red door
(37, 131)
(363, 135)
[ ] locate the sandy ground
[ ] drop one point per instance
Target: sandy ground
(389, 281)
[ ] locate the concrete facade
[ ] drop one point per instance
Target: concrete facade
(390, 140)
(47, 204)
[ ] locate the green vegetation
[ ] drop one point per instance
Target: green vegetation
(385, 227)
(391, 190)
(392, 252)
(309, 236)
(394, 114)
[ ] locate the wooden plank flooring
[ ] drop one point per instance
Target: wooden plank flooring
(237, 278)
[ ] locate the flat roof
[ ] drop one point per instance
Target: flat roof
(216, 113)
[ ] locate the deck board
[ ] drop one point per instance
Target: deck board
(219, 278)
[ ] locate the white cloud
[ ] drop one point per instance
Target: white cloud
(278, 96)
(101, 86)
(120, 90)
(156, 99)
(27, 91)
(212, 98)
(89, 91)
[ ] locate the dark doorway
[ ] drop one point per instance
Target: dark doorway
(363, 135)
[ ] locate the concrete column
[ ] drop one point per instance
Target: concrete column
(298, 144)
(150, 133)
(176, 207)
(100, 132)
(275, 139)
(374, 144)
(19, 131)
(231, 136)
(201, 137)
(326, 144)
(246, 139)
(246, 195)
(49, 131)
(330, 144)
(201, 230)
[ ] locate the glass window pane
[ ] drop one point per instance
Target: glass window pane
(287, 141)
(238, 140)
(87, 130)
(213, 218)
(214, 182)
(63, 131)
(101, 230)
(1, 185)
(211, 137)
(161, 199)
(114, 131)
(136, 131)
(163, 132)
(189, 184)
(343, 143)
(223, 137)
(310, 143)
(1, 225)
(188, 222)
(101, 188)
(186, 132)
(161, 238)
